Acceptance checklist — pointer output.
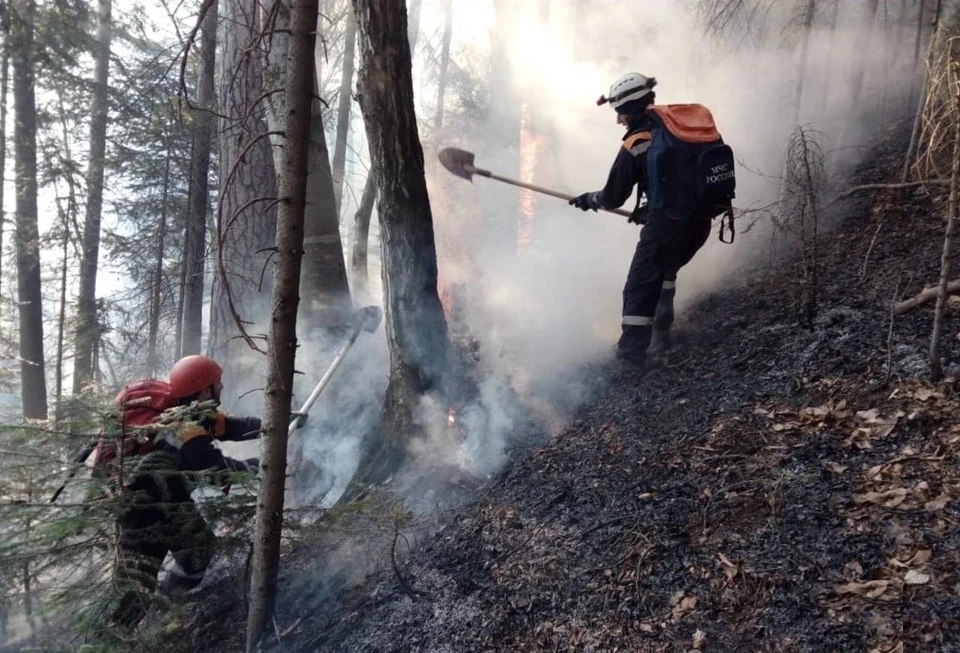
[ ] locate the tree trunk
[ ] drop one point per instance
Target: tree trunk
(415, 325)
(282, 347)
(946, 259)
(869, 19)
(246, 210)
(195, 233)
(33, 383)
(87, 319)
(68, 217)
(4, 76)
(361, 237)
(324, 283)
(61, 326)
(413, 25)
(444, 63)
(343, 110)
(153, 362)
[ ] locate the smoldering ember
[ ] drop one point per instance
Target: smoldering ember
(479, 325)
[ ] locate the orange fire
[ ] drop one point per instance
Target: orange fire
(531, 145)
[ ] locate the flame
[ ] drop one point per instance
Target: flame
(531, 145)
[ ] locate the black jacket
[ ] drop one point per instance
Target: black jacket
(629, 169)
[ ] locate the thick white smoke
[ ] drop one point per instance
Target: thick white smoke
(542, 315)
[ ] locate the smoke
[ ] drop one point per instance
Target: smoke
(542, 313)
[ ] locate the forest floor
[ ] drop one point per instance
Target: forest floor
(772, 488)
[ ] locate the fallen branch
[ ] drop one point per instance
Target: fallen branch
(909, 184)
(925, 296)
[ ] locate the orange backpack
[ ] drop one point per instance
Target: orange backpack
(138, 404)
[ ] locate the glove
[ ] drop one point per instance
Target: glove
(639, 215)
(584, 202)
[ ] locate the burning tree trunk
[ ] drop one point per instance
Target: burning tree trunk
(415, 324)
(282, 347)
(195, 233)
(87, 319)
(343, 109)
(246, 214)
(33, 383)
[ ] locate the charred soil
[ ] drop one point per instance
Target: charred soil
(771, 487)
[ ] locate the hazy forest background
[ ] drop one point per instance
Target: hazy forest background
(146, 154)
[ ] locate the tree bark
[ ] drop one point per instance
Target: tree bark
(88, 326)
(282, 347)
(324, 284)
(246, 210)
(195, 232)
(946, 259)
(415, 325)
(343, 109)
(156, 283)
(33, 383)
(361, 236)
(4, 80)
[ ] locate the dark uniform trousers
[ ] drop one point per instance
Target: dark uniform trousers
(667, 243)
(158, 516)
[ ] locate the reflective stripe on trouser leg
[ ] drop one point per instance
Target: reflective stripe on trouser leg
(637, 320)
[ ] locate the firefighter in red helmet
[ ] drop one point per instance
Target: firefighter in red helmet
(161, 515)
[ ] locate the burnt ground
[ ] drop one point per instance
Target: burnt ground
(770, 488)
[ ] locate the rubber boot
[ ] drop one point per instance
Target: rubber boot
(660, 341)
(632, 347)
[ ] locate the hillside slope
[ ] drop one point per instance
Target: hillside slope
(773, 488)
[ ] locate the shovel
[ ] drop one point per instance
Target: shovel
(460, 163)
(365, 319)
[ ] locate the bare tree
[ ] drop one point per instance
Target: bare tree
(4, 80)
(951, 71)
(300, 81)
(196, 225)
(33, 383)
(246, 216)
(324, 270)
(343, 108)
(361, 236)
(415, 325)
(87, 318)
(156, 281)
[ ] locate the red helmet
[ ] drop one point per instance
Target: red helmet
(191, 374)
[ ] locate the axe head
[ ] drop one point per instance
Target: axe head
(368, 318)
(458, 162)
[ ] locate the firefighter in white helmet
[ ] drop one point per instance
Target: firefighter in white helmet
(676, 218)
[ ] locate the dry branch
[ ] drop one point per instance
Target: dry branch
(925, 296)
(910, 184)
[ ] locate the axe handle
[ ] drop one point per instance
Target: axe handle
(540, 189)
(325, 379)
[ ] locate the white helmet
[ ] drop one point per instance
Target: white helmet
(630, 87)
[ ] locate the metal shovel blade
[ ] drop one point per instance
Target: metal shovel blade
(458, 162)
